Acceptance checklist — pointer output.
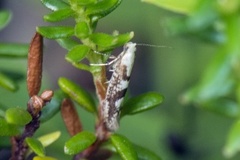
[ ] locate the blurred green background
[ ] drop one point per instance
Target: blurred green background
(172, 130)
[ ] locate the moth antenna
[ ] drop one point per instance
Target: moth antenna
(152, 45)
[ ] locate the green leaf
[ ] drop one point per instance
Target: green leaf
(77, 93)
(18, 116)
(7, 83)
(232, 146)
(225, 107)
(8, 129)
(145, 154)
(77, 53)
(5, 17)
(55, 4)
(85, 2)
(108, 42)
(13, 50)
(36, 146)
(56, 32)
(217, 81)
(59, 15)
(43, 158)
(102, 8)
(67, 43)
(79, 142)
(53, 107)
(82, 30)
(48, 139)
(141, 103)
(186, 6)
(124, 147)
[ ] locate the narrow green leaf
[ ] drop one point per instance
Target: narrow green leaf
(48, 139)
(55, 4)
(59, 15)
(145, 154)
(124, 147)
(141, 103)
(13, 50)
(18, 116)
(85, 2)
(82, 30)
(43, 158)
(8, 129)
(217, 81)
(67, 43)
(56, 32)
(225, 107)
(77, 93)
(102, 8)
(5, 17)
(36, 146)
(7, 83)
(232, 146)
(186, 6)
(53, 107)
(108, 42)
(77, 53)
(79, 142)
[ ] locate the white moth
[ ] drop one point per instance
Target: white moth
(117, 86)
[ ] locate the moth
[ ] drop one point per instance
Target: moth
(117, 86)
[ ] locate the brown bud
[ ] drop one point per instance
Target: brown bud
(34, 73)
(47, 95)
(70, 117)
(35, 105)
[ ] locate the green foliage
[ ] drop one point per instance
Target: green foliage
(8, 129)
(18, 116)
(141, 103)
(77, 93)
(5, 17)
(36, 146)
(216, 22)
(81, 42)
(79, 142)
(48, 139)
(124, 147)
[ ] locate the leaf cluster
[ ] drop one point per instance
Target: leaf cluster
(214, 22)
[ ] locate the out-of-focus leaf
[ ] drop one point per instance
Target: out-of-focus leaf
(43, 158)
(56, 32)
(124, 147)
(18, 116)
(5, 17)
(108, 42)
(53, 107)
(8, 129)
(141, 103)
(48, 139)
(217, 82)
(77, 93)
(145, 154)
(186, 6)
(67, 43)
(225, 107)
(102, 8)
(232, 146)
(36, 146)
(77, 53)
(7, 83)
(82, 30)
(79, 142)
(59, 15)
(13, 50)
(55, 4)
